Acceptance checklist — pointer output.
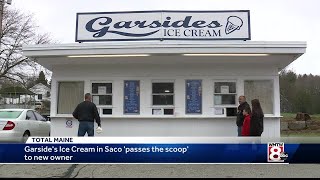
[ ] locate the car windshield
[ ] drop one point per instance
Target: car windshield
(10, 114)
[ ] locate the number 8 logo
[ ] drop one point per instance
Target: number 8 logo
(275, 154)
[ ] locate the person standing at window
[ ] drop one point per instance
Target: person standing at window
(86, 112)
(246, 122)
(240, 118)
(256, 118)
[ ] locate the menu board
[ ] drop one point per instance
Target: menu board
(131, 97)
(193, 96)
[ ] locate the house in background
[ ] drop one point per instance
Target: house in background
(36, 97)
(16, 97)
(42, 92)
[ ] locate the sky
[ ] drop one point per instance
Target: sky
(271, 20)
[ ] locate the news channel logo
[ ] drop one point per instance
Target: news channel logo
(276, 152)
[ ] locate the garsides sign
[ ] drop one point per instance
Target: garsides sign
(163, 25)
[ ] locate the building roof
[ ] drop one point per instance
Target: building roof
(15, 90)
(280, 53)
(39, 84)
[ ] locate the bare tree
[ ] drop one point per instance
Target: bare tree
(18, 29)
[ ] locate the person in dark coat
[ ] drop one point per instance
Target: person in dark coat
(256, 127)
(86, 112)
(240, 118)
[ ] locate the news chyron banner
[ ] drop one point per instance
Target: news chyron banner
(156, 150)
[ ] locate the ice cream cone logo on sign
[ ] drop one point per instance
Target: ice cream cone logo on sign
(233, 23)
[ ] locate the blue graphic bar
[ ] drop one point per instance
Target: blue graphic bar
(158, 153)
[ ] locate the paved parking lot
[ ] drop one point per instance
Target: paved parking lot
(160, 170)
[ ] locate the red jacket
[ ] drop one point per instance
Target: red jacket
(246, 126)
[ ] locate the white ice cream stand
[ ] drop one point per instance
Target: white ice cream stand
(165, 73)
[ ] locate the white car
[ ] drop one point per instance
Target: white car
(16, 125)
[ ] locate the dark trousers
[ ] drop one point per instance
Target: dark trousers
(86, 127)
(239, 130)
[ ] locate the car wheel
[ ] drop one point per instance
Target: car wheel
(25, 136)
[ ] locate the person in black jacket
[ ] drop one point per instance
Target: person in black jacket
(242, 105)
(86, 112)
(256, 127)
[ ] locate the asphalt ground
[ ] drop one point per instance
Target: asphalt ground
(160, 170)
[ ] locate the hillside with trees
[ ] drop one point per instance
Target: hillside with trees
(299, 93)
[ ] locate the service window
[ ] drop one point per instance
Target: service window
(163, 98)
(70, 94)
(107, 111)
(102, 97)
(224, 98)
(261, 90)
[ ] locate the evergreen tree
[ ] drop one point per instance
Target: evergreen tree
(42, 79)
